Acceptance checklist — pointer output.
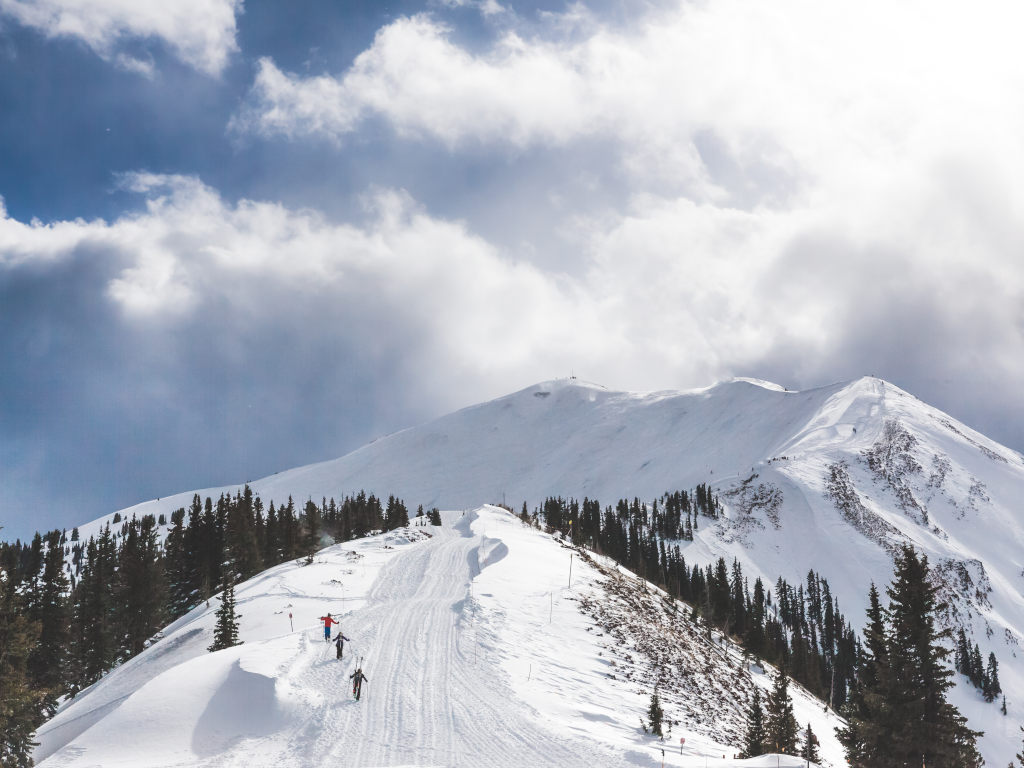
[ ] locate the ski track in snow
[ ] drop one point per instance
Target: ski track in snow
(425, 700)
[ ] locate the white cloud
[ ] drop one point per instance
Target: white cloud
(827, 99)
(199, 32)
(675, 293)
(402, 276)
(796, 173)
(487, 8)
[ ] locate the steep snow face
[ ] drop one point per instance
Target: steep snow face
(561, 437)
(832, 479)
(474, 646)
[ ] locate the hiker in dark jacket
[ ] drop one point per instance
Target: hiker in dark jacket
(339, 642)
(357, 678)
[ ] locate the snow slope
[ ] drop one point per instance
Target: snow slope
(830, 479)
(475, 649)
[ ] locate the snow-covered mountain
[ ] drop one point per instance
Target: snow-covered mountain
(830, 479)
(477, 650)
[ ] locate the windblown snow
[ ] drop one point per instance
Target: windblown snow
(831, 479)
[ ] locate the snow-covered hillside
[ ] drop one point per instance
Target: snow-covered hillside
(830, 479)
(477, 651)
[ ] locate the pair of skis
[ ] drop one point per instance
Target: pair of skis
(359, 666)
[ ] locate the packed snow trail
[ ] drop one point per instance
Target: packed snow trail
(429, 700)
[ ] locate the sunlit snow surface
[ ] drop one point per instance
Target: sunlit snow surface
(471, 638)
(907, 473)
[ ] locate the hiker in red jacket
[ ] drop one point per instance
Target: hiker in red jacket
(328, 621)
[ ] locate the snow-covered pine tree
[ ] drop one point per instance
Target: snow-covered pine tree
(781, 725)
(225, 634)
(755, 736)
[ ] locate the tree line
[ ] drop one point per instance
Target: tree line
(891, 688)
(803, 628)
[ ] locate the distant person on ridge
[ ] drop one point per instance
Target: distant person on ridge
(328, 621)
(340, 643)
(357, 678)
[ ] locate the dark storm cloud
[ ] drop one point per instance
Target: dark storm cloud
(98, 411)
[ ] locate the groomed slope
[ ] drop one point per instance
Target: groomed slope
(444, 620)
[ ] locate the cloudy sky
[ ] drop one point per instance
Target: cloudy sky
(237, 237)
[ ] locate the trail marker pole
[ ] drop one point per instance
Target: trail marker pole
(290, 621)
(570, 570)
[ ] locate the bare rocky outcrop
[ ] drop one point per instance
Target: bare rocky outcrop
(841, 491)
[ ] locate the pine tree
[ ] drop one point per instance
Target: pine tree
(655, 715)
(434, 516)
(49, 610)
(925, 726)
(312, 517)
(177, 567)
(868, 735)
(94, 640)
(225, 634)
(991, 687)
(962, 657)
(240, 534)
(755, 624)
(755, 737)
(976, 668)
(20, 704)
(139, 593)
(810, 747)
(781, 726)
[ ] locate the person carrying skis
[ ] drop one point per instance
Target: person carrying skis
(357, 678)
(328, 621)
(340, 643)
